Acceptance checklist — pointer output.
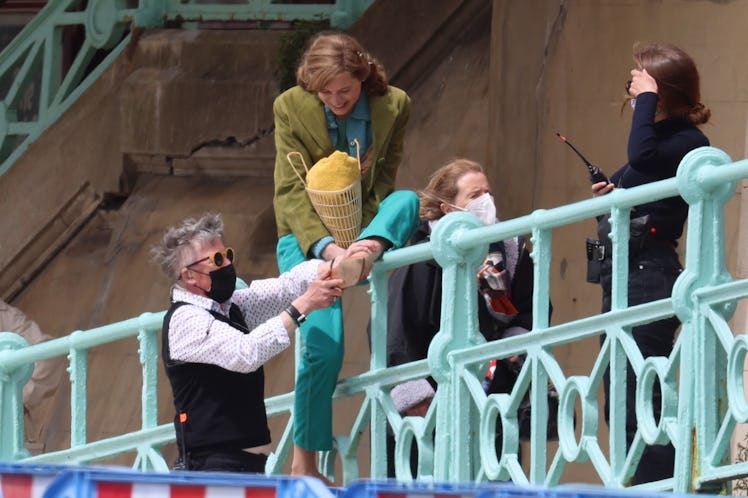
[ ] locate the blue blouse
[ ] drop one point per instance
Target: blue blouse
(357, 126)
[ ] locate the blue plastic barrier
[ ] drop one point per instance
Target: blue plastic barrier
(100, 483)
(62, 481)
(576, 491)
(27, 481)
(394, 489)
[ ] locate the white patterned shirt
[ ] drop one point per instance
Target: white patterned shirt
(196, 336)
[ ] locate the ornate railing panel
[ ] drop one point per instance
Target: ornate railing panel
(16, 364)
(702, 382)
(37, 85)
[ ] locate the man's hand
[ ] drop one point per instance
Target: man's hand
(321, 293)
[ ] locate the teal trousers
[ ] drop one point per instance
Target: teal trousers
(322, 333)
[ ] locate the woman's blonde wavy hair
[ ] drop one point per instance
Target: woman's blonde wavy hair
(332, 54)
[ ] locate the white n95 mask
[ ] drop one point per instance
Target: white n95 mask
(483, 208)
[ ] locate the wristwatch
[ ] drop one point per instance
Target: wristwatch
(297, 316)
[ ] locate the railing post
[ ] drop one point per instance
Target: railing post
(702, 384)
(150, 457)
(11, 400)
(78, 370)
(378, 339)
(618, 380)
(541, 256)
(459, 329)
(148, 352)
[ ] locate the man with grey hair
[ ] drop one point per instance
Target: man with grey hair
(216, 339)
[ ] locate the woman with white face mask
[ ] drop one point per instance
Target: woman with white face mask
(505, 281)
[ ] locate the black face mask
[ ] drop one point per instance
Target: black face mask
(222, 283)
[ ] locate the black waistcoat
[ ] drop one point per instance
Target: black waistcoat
(220, 408)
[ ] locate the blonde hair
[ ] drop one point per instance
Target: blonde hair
(442, 187)
(332, 54)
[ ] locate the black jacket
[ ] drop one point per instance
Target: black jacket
(415, 296)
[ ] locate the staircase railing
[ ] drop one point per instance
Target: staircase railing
(702, 381)
(38, 83)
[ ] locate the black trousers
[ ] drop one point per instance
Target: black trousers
(652, 274)
(226, 460)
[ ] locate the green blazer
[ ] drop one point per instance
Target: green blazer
(300, 126)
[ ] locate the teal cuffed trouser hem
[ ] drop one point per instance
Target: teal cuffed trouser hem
(321, 338)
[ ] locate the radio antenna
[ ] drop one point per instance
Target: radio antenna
(595, 174)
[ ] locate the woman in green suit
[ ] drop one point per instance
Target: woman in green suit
(341, 97)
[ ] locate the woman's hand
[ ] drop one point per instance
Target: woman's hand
(601, 188)
(372, 247)
(641, 82)
(332, 251)
(368, 250)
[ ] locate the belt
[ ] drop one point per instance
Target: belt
(597, 250)
(660, 243)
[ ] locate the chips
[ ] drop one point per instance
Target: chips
(334, 172)
(334, 188)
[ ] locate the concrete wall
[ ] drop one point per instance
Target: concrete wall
(184, 102)
(569, 77)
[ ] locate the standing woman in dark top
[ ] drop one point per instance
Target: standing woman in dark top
(664, 92)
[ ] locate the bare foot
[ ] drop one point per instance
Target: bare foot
(351, 270)
(369, 250)
(305, 464)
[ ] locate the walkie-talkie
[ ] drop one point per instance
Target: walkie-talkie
(596, 175)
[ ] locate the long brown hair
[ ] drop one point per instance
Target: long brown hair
(442, 187)
(677, 80)
(331, 54)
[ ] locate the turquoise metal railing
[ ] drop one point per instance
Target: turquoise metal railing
(36, 87)
(702, 402)
(15, 363)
